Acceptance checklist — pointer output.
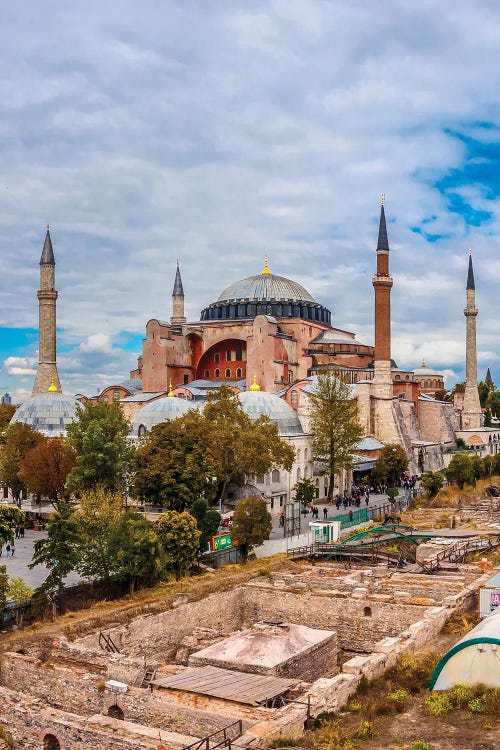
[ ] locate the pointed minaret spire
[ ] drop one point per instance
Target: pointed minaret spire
(47, 252)
(471, 409)
(47, 378)
(178, 300)
(383, 240)
(470, 273)
(488, 379)
(178, 290)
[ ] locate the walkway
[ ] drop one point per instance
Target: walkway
(17, 566)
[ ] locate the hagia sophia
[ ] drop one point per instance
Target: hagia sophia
(268, 339)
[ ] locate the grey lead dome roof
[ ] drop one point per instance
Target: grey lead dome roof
(49, 413)
(161, 410)
(265, 287)
(258, 403)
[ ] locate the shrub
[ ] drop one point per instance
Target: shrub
(419, 745)
(366, 731)
(492, 698)
(414, 671)
(354, 706)
(438, 704)
(399, 697)
(460, 695)
(477, 706)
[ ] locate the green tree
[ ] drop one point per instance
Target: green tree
(478, 469)
(207, 520)
(251, 524)
(6, 413)
(99, 438)
(180, 541)
(239, 446)
(305, 492)
(173, 463)
(19, 440)
(487, 418)
(459, 470)
(135, 549)
(20, 594)
(493, 403)
(4, 587)
(99, 513)
(45, 468)
(59, 551)
(484, 390)
(432, 482)
(489, 465)
(334, 425)
(391, 464)
(9, 517)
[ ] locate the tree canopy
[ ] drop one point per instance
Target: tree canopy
(7, 411)
(460, 470)
(200, 454)
(135, 549)
(9, 516)
(99, 438)
(19, 440)
(251, 524)
(59, 551)
(45, 468)
(96, 518)
(305, 492)
(334, 426)
(207, 520)
(180, 540)
(391, 463)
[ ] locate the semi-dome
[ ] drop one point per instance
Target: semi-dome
(260, 403)
(266, 294)
(161, 410)
(49, 413)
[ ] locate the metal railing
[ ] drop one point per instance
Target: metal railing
(226, 740)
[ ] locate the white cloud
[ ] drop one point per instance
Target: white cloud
(21, 365)
(96, 342)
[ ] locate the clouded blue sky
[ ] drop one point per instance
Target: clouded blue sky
(216, 131)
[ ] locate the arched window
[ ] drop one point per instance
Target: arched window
(305, 454)
(298, 474)
(238, 372)
(141, 431)
(228, 372)
(367, 611)
(275, 475)
(50, 742)
(116, 712)
(217, 357)
(299, 454)
(207, 373)
(294, 398)
(116, 395)
(217, 373)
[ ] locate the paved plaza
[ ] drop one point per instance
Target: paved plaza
(17, 566)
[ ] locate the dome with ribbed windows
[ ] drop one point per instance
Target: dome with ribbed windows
(161, 410)
(265, 287)
(258, 403)
(49, 413)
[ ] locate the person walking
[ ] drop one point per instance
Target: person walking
(12, 550)
(7, 551)
(325, 512)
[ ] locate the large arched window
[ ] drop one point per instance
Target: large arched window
(238, 372)
(298, 474)
(228, 372)
(275, 475)
(299, 454)
(217, 373)
(207, 373)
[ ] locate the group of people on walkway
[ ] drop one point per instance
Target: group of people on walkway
(10, 547)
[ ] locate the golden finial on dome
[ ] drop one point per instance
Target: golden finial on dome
(265, 270)
(255, 386)
(423, 363)
(170, 389)
(52, 387)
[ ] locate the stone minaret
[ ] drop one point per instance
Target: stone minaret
(471, 410)
(47, 296)
(382, 284)
(178, 300)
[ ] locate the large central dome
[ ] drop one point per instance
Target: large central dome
(266, 294)
(265, 287)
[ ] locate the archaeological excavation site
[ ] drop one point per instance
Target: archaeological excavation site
(256, 658)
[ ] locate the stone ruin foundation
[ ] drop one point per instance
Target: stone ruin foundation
(321, 627)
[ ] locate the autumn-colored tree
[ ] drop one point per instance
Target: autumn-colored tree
(99, 437)
(239, 446)
(45, 468)
(6, 413)
(251, 524)
(334, 425)
(19, 440)
(173, 464)
(180, 539)
(97, 518)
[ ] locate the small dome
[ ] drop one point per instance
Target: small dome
(265, 287)
(427, 371)
(161, 410)
(258, 403)
(49, 413)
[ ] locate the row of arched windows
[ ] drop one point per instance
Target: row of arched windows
(227, 373)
